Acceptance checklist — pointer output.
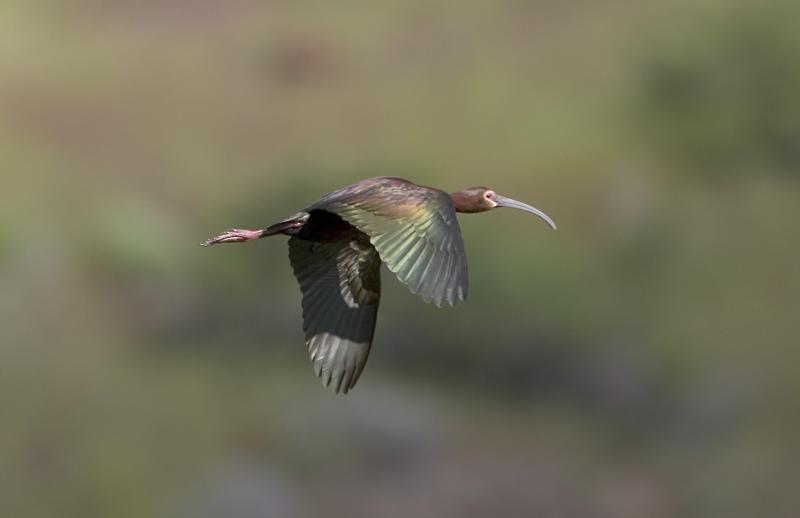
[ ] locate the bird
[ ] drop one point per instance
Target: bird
(337, 246)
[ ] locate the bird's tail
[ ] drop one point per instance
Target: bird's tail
(287, 226)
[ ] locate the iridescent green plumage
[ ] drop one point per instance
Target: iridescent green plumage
(336, 257)
(415, 231)
(336, 249)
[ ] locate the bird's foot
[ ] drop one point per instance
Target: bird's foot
(234, 235)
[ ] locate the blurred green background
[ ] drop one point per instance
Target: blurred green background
(641, 361)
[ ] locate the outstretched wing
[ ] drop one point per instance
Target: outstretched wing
(415, 231)
(340, 282)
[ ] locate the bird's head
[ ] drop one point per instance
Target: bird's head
(481, 199)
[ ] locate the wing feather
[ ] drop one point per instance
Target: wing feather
(413, 228)
(340, 283)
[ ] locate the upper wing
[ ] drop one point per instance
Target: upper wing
(340, 282)
(415, 231)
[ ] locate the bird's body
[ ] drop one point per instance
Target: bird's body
(336, 248)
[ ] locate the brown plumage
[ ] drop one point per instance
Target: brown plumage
(337, 245)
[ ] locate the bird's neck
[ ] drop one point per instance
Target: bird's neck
(464, 204)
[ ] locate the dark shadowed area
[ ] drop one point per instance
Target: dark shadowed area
(640, 361)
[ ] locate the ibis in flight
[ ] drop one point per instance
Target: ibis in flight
(337, 245)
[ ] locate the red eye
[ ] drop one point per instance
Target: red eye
(489, 195)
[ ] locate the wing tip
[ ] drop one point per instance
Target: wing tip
(449, 298)
(337, 368)
(340, 388)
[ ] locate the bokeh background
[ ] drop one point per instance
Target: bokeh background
(641, 361)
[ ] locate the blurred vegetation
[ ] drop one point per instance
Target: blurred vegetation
(729, 104)
(641, 361)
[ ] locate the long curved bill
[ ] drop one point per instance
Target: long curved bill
(502, 201)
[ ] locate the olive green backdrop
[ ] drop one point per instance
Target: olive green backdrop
(640, 361)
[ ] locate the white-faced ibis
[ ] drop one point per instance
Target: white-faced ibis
(336, 247)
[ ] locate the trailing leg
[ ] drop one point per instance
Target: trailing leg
(238, 235)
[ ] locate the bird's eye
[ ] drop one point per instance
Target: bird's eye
(489, 195)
